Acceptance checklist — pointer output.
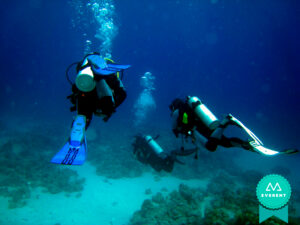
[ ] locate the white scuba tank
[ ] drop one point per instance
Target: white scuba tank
(85, 78)
(153, 145)
(203, 113)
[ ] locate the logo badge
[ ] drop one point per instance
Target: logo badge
(273, 193)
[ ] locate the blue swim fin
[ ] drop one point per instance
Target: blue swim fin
(100, 66)
(74, 151)
(110, 69)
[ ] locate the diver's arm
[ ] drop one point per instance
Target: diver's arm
(84, 107)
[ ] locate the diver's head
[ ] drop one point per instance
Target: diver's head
(176, 104)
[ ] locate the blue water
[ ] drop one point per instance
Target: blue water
(239, 57)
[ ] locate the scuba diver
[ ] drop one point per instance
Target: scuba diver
(191, 118)
(148, 151)
(98, 90)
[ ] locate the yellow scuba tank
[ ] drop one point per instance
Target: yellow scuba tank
(203, 113)
(85, 78)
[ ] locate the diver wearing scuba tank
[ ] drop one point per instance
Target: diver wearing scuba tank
(98, 89)
(148, 151)
(190, 114)
(193, 119)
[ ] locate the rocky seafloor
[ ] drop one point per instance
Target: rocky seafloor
(25, 166)
(224, 201)
(229, 198)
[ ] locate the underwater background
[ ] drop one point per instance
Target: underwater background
(238, 57)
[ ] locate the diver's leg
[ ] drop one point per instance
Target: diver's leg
(216, 137)
(201, 141)
(235, 142)
(85, 106)
(105, 102)
(119, 92)
(218, 132)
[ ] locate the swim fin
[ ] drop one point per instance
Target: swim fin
(257, 145)
(249, 132)
(100, 66)
(74, 151)
(269, 152)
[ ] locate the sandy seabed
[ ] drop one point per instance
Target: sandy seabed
(103, 201)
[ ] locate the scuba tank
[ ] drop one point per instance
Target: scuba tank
(203, 113)
(148, 151)
(85, 81)
(153, 145)
(92, 65)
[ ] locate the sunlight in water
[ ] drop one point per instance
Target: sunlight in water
(96, 15)
(145, 102)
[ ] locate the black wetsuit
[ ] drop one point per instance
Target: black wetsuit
(89, 103)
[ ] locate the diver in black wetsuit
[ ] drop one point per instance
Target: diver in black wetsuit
(148, 151)
(98, 89)
(191, 118)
